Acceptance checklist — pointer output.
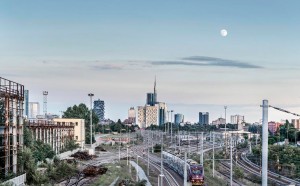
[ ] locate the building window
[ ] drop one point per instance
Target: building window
(76, 123)
(76, 137)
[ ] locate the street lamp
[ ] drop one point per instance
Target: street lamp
(171, 127)
(168, 121)
(91, 132)
(225, 107)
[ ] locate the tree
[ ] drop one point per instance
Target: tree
(71, 145)
(82, 111)
(28, 141)
(41, 151)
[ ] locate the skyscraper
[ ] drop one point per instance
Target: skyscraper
(162, 112)
(154, 112)
(99, 109)
(179, 118)
(203, 118)
(26, 103)
(131, 115)
(150, 99)
(147, 115)
(155, 93)
(34, 110)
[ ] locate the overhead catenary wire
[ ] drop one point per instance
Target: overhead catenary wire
(283, 110)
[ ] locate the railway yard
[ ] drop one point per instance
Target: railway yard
(120, 172)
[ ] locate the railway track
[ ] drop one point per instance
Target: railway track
(249, 166)
(155, 162)
(226, 173)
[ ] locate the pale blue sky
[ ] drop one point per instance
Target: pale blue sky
(115, 48)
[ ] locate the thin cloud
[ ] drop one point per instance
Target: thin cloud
(208, 61)
(106, 67)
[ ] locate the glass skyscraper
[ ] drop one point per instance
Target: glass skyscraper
(99, 109)
(26, 103)
(179, 118)
(203, 118)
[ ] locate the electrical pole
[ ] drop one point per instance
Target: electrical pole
(202, 163)
(189, 144)
(168, 121)
(264, 177)
(137, 168)
(148, 153)
(213, 155)
(171, 127)
(230, 160)
(119, 154)
(91, 118)
(225, 107)
(161, 161)
(185, 171)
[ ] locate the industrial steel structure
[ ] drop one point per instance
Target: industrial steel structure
(11, 125)
(53, 133)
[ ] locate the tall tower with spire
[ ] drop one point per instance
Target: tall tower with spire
(155, 93)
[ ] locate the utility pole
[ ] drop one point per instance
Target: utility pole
(119, 154)
(171, 127)
(202, 163)
(230, 160)
(225, 107)
(161, 161)
(250, 147)
(168, 121)
(137, 168)
(264, 177)
(213, 155)
(91, 118)
(148, 153)
(189, 144)
(185, 171)
(127, 155)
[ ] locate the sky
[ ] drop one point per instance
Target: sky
(115, 48)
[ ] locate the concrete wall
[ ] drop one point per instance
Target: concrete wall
(17, 181)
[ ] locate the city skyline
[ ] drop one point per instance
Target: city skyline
(115, 50)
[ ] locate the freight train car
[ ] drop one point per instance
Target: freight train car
(194, 170)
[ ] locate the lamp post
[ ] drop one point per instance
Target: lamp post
(91, 117)
(171, 127)
(161, 161)
(168, 120)
(225, 107)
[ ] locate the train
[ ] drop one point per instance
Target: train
(195, 173)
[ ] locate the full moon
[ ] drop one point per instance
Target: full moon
(223, 32)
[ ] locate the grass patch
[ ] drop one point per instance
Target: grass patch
(114, 170)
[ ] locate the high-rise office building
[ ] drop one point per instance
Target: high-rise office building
(26, 103)
(237, 119)
(203, 118)
(162, 113)
(153, 113)
(178, 118)
(150, 99)
(34, 110)
(131, 115)
(99, 109)
(147, 115)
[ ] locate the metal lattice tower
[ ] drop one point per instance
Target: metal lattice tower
(45, 94)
